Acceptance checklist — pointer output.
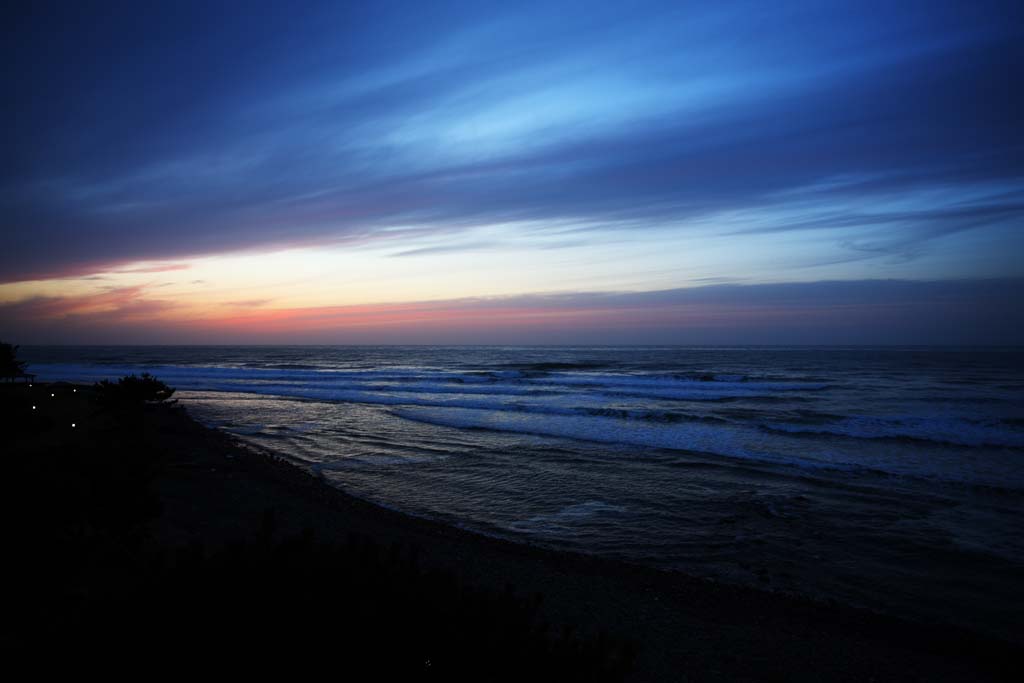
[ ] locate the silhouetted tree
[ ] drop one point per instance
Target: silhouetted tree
(9, 363)
(133, 391)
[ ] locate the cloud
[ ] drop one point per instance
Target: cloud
(828, 312)
(447, 249)
(52, 308)
(543, 114)
(843, 312)
(77, 319)
(248, 303)
(156, 269)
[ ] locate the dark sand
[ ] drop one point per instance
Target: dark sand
(213, 489)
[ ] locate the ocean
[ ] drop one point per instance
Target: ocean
(887, 478)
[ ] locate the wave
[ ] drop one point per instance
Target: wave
(299, 371)
(548, 367)
(954, 431)
(197, 373)
(732, 441)
(553, 404)
(692, 436)
(287, 366)
(374, 459)
(670, 382)
(567, 517)
(311, 383)
(673, 411)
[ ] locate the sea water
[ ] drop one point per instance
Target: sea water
(888, 478)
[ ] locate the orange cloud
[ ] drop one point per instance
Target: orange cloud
(38, 308)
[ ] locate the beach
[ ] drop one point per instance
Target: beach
(212, 491)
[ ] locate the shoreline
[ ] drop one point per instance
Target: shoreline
(213, 487)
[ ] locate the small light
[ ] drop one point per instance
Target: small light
(52, 395)
(72, 424)
(33, 407)
(74, 391)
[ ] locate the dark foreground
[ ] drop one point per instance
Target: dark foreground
(139, 538)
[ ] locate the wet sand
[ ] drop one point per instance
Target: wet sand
(213, 489)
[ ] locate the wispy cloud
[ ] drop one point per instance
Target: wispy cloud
(656, 117)
(163, 268)
(116, 305)
(447, 249)
(248, 303)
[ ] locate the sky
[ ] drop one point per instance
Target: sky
(549, 172)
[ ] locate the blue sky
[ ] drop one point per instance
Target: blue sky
(336, 154)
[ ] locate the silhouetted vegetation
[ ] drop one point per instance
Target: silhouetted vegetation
(10, 366)
(133, 391)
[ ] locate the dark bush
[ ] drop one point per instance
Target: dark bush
(10, 366)
(133, 391)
